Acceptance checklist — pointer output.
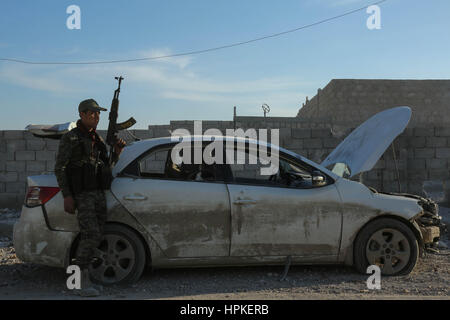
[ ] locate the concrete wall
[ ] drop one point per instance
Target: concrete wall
(352, 101)
(423, 153)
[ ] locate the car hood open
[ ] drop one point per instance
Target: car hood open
(362, 148)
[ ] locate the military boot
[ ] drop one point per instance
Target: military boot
(87, 288)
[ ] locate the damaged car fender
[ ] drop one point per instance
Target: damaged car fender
(360, 205)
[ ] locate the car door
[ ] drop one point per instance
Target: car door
(186, 215)
(271, 217)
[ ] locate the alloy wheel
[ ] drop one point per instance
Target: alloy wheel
(389, 249)
(115, 258)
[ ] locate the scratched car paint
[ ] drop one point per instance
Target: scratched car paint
(225, 214)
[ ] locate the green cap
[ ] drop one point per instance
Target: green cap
(89, 104)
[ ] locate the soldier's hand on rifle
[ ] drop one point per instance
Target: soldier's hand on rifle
(118, 147)
(69, 205)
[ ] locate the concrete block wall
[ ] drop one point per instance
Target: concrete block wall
(423, 154)
(21, 155)
(352, 101)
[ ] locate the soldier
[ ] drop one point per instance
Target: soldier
(81, 166)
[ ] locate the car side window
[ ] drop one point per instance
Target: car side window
(200, 172)
(289, 174)
(154, 164)
(158, 164)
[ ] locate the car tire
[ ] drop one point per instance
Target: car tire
(120, 258)
(388, 243)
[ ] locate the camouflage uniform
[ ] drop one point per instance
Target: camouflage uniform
(91, 216)
(78, 148)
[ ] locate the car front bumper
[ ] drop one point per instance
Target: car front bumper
(35, 242)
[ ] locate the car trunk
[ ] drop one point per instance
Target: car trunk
(52, 208)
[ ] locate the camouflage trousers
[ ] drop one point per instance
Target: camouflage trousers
(91, 206)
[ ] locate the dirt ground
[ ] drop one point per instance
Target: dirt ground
(429, 280)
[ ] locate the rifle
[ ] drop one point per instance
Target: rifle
(114, 127)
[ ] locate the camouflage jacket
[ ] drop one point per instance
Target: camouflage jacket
(76, 148)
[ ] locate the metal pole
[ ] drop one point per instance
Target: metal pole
(396, 167)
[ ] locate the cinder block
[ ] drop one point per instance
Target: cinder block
(424, 153)
(38, 166)
(13, 134)
(410, 153)
(331, 142)
(27, 135)
(320, 133)
(294, 144)
(51, 145)
(436, 163)
(438, 174)
(420, 175)
(417, 142)
(50, 165)
(409, 132)
(164, 133)
(313, 143)
(2, 187)
(8, 177)
(16, 145)
(23, 175)
(35, 145)
(401, 142)
(45, 155)
(424, 132)
(393, 165)
(436, 142)
(15, 187)
(417, 164)
(443, 153)
(15, 166)
(389, 175)
(415, 187)
(442, 131)
(285, 133)
(25, 155)
(301, 133)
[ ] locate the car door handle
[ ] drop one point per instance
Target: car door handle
(241, 202)
(135, 197)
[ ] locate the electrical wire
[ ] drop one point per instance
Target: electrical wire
(197, 51)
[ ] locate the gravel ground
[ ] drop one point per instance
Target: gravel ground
(429, 280)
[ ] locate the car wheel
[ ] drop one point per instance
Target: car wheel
(389, 244)
(120, 257)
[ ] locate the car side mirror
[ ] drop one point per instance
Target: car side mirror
(318, 179)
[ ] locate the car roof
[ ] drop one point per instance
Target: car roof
(137, 148)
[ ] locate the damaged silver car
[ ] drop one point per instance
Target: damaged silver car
(163, 214)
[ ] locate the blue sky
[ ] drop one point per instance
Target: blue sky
(413, 43)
